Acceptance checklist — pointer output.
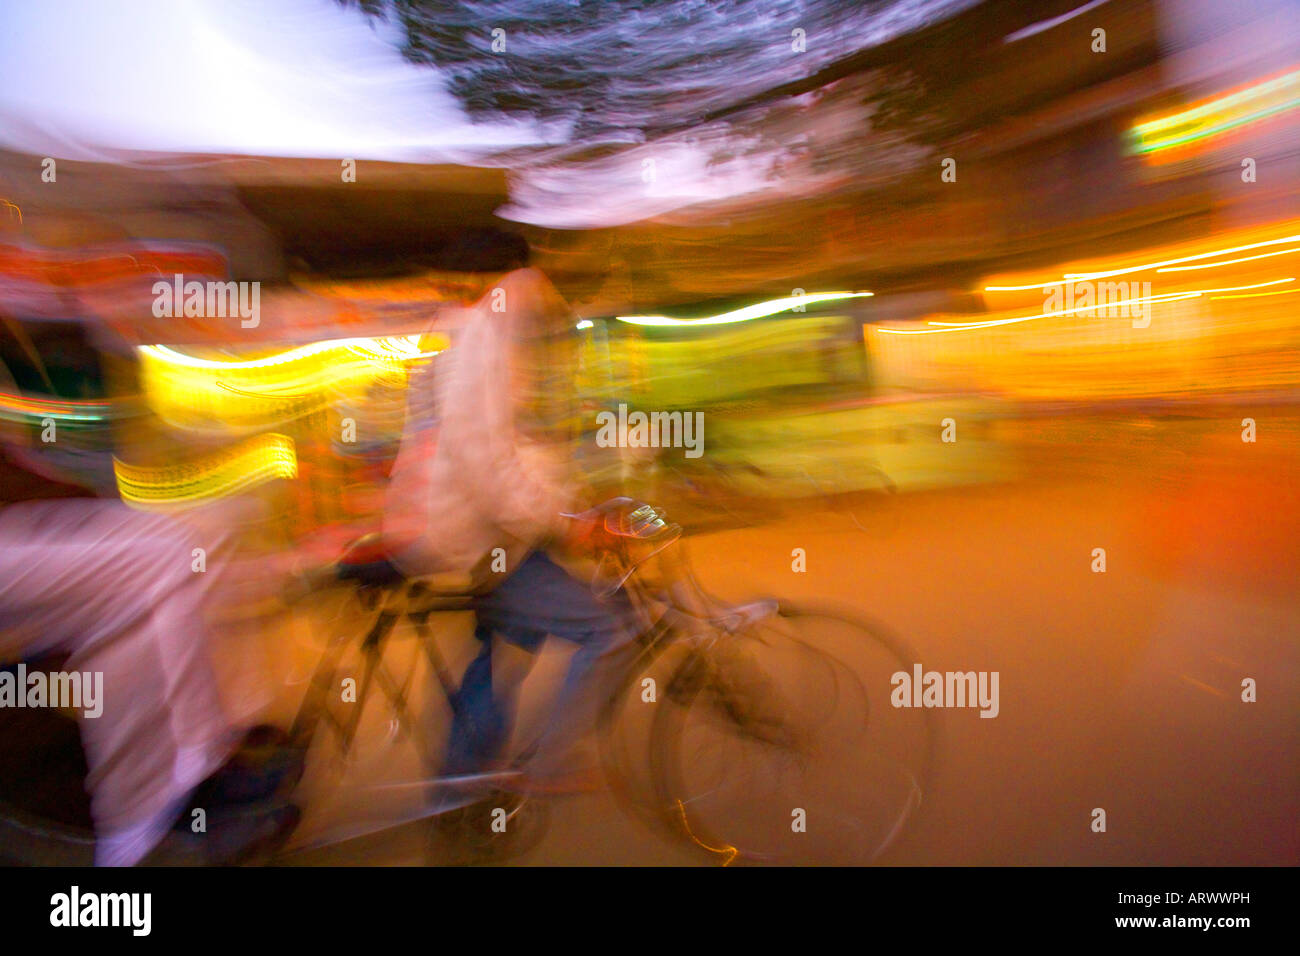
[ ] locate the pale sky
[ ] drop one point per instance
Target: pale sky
(263, 77)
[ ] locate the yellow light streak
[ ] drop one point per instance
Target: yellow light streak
(250, 462)
(1255, 295)
(1219, 115)
(1023, 288)
(404, 347)
(758, 311)
(228, 394)
(729, 851)
(1230, 262)
(1174, 262)
(1140, 268)
(1118, 304)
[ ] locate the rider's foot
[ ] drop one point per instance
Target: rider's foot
(242, 810)
(249, 835)
(263, 766)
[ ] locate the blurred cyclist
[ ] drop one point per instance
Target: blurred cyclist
(483, 477)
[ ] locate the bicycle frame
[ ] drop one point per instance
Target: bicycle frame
(668, 606)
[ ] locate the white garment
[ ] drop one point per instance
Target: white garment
(115, 589)
(468, 478)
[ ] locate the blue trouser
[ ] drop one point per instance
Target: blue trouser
(540, 598)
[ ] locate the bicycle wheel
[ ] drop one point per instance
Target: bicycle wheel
(788, 750)
(627, 730)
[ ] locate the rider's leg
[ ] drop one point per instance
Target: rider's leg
(542, 598)
(484, 709)
(482, 714)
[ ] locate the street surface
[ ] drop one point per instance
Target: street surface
(1118, 690)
